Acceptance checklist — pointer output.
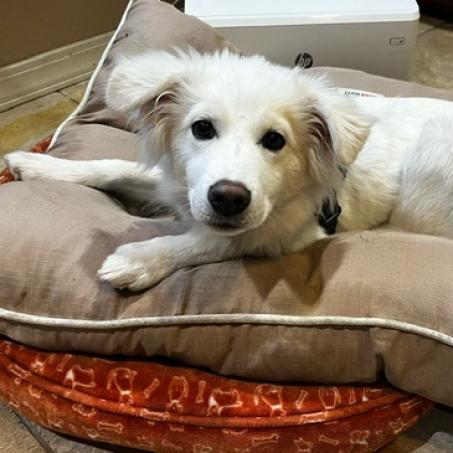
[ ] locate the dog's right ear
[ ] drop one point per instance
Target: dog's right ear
(140, 80)
(146, 88)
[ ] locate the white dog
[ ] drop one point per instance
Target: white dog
(248, 151)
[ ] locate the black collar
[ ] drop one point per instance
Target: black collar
(331, 210)
(328, 215)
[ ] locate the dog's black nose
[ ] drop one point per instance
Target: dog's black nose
(229, 198)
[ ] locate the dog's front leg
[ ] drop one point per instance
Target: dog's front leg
(140, 265)
(103, 174)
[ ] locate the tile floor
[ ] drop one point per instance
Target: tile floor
(23, 126)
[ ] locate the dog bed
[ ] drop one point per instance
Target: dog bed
(353, 308)
(166, 408)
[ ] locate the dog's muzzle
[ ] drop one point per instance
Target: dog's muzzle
(229, 198)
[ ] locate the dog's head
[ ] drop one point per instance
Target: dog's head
(243, 136)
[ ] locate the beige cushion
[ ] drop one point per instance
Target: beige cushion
(352, 308)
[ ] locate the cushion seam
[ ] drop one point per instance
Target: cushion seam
(89, 87)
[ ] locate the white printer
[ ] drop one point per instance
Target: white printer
(377, 36)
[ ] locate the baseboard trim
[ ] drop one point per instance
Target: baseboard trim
(50, 71)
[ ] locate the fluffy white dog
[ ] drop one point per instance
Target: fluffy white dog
(248, 151)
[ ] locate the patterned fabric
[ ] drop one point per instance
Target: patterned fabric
(166, 409)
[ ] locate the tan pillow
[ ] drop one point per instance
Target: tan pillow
(352, 308)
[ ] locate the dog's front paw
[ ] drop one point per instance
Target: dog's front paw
(133, 267)
(26, 165)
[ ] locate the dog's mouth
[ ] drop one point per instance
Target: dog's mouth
(225, 228)
(231, 226)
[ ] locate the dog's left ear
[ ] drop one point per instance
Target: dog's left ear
(337, 127)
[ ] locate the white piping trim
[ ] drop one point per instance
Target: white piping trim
(209, 319)
(93, 77)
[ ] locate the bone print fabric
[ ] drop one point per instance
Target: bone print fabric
(167, 409)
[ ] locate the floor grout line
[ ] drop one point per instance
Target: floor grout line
(68, 97)
(433, 27)
(31, 429)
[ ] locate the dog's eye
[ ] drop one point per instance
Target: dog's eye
(203, 130)
(273, 141)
